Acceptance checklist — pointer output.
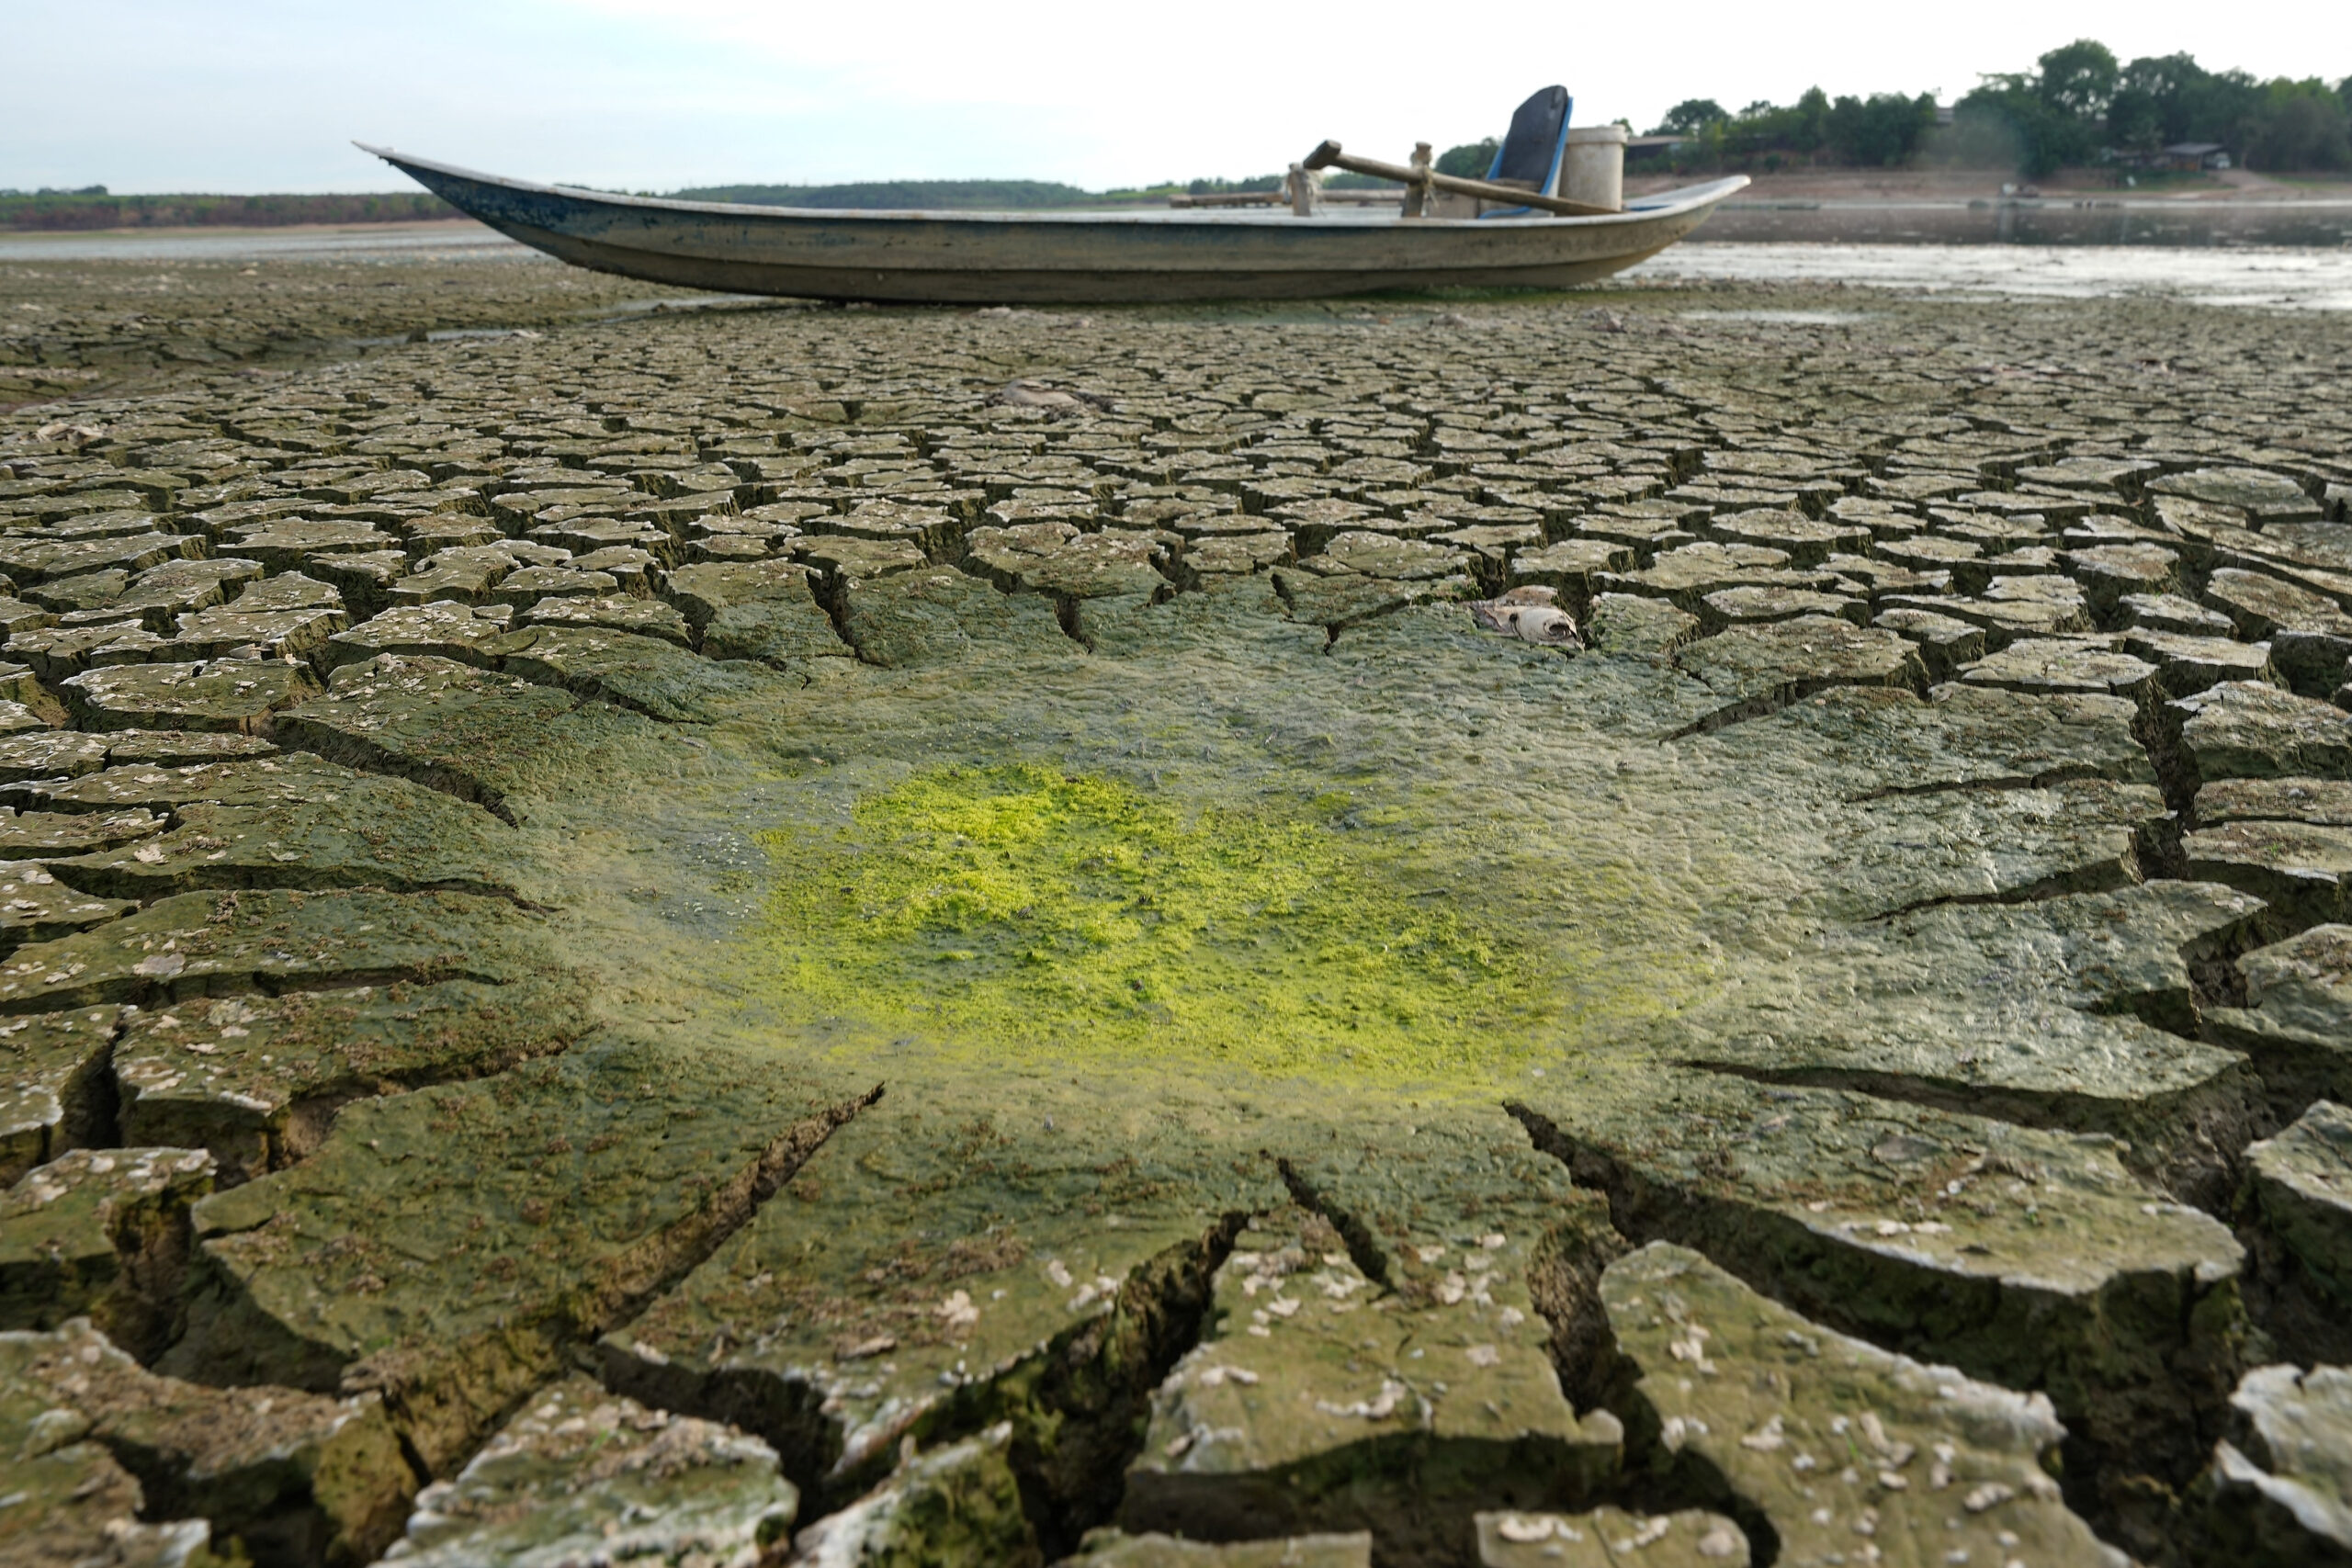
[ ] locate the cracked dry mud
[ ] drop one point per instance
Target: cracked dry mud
(691, 939)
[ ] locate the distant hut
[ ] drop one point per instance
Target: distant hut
(2190, 157)
(1651, 151)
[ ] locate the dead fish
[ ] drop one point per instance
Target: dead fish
(1055, 402)
(1544, 624)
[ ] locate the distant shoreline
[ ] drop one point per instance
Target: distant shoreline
(452, 226)
(95, 209)
(1854, 192)
(2317, 217)
(1759, 199)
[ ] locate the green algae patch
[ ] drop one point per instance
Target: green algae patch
(1023, 907)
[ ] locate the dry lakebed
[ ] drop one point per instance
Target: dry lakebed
(1684, 924)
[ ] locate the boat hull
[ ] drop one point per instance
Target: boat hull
(1056, 258)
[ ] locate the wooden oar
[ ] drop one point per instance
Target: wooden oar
(1329, 156)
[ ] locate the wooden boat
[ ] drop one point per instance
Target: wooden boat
(989, 258)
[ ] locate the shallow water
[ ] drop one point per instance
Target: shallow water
(2094, 222)
(404, 242)
(2275, 276)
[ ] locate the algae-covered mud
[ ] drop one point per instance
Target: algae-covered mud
(1696, 926)
(1028, 909)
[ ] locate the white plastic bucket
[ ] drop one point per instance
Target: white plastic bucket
(1593, 169)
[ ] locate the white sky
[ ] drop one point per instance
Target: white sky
(264, 95)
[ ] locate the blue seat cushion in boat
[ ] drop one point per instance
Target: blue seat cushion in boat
(1532, 151)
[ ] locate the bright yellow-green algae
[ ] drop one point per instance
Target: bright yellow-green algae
(1020, 906)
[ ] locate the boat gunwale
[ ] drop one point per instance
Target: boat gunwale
(1664, 203)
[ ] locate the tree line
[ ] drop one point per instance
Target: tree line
(2080, 106)
(92, 208)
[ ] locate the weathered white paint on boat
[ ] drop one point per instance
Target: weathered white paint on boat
(1054, 256)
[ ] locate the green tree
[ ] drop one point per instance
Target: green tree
(1812, 120)
(2055, 116)
(1469, 162)
(2220, 105)
(1882, 131)
(1690, 117)
(2077, 106)
(1771, 131)
(1224, 186)
(1977, 139)
(2135, 120)
(2155, 100)
(2078, 80)
(2008, 110)
(2300, 125)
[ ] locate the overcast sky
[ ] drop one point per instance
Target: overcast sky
(265, 95)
